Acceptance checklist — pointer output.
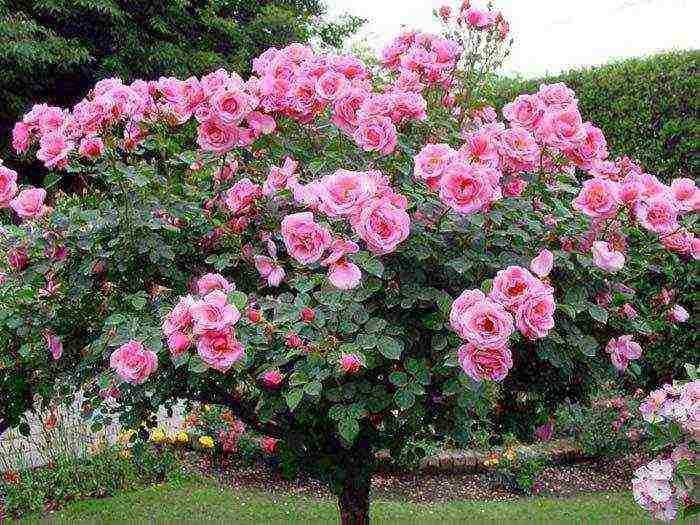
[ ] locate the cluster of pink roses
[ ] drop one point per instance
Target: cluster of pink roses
(517, 299)
(27, 203)
(421, 60)
(133, 362)
(655, 488)
(674, 403)
(207, 322)
(622, 350)
(301, 84)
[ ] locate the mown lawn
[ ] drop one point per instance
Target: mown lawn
(202, 502)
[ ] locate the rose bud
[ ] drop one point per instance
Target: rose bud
(308, 315)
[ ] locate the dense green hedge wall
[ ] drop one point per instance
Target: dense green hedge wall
(648, 108)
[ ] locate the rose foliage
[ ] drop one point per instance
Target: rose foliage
(343, 255)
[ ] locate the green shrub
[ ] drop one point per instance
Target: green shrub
(104, 474)
(647, 107)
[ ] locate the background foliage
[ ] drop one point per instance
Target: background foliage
(647, 107)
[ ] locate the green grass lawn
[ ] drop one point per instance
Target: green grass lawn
(203, 502)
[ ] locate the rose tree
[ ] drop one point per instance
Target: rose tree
(350, 260)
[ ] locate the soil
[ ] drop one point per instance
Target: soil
(422, 487)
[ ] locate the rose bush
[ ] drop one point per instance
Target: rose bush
(336, 254)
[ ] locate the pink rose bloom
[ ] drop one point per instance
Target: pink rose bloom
(213, 313)
(469, 188)
(178, 343)
(382, 225)
(269, 269)
(593, 148)
(629, 311)
(430, 163)
(481, 363)
(133, 362)
(278, 178)
(213, 281)
(241, 196)
(54, 344)
(544, 432)
(343, 193)
(542, 264)
(220, 350)
(535, 315)
(54, 149)
(479, 19)
(604, 169)
(556, 96)
(512, 285)
(623, 350)
(487, 325)
(605, 258)
(339, 249)
(598, 198)
(518, 149)
(687, 195)
(8, 185)
(525, 111)
(260, 123)
(268, 445)
(444, 12)
(345, 108)
(466, 300)
(344, 275)
(481, 146)
(376, 134)
(272, 378)
(631, 189)
(678, 314)
(29, 203)
(230, 105)
(514, 187)
(563, 129)
(658, 214)
(91, 147)
(351, 363)
(216, 136)
(331, 85)
(20, 137)
(305, 239)
(180, 318)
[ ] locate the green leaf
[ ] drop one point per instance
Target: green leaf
(398, 378)
(598, 313)
(313, 389)
(348, 429)
(390, 347)
(589, 346)
(238, 299)
(404, 399)
(294, 397)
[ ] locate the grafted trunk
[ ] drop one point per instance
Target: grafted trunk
(353, 500)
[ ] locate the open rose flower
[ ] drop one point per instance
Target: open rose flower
(535, 315)
(220, 350)
(305, 239)
(180, 318)
(606, 258)
(178, 343)
(376, 134)
(213, 281)
(486, 324)
(512, 285)
(382, 225)
(241, 196)
(213, 313)
(8, 185)
(344, 275)
(279, 178)
(623, 350)
(481, 363)
(269, 269)
(342, 193)
(54, 148)
(542, 264)
(460, 305)
(133, 362)
(658, 214)
(29, 203)
(431, 163)
(469, 188)
(599, 198)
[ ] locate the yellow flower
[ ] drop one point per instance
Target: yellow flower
(158, 436)
(125, 454)
(182, 437)
(511, 454)
(206, 442)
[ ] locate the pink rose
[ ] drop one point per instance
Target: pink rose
(278, 178)
(345, 108)
(133, 362)
(512, 285)
(304, 238)
(29, 203)
(180, 318)
(592, 150)
(678, 314)
(485, 363)
(213, 281)
(542, 264)
(623, 350)
(431, 162)
(213, 313)
(514, 187)
(91, 147)
(686, 194)
(344, 275)
(658, 214)
(220, 350)
(178, 343)
(268, 445)
(629, 311)
(376, 134)
(331, 85)
(217, 136)
(605, 258)
(563, 129)
(604, 169)
(8, 185)
(518, 149)
(487, 325)
(269, 269)
(481, 146)
(20, 137)
(598, 198)
(680, 241)
(556, 96)
(343, 193)
(260, 123)
(466, 300)
(230, 105)
(526, 111)
(54, 344)
(469, 188)
(272, 378)
(241, 196)
(351, 363)
(382, 225)
(535, 315)
(339, 249)
(54, 149)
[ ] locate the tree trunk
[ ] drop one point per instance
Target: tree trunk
(353, 500)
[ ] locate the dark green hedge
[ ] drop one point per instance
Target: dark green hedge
(648, 108)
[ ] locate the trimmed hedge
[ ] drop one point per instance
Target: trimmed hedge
(648, 108)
